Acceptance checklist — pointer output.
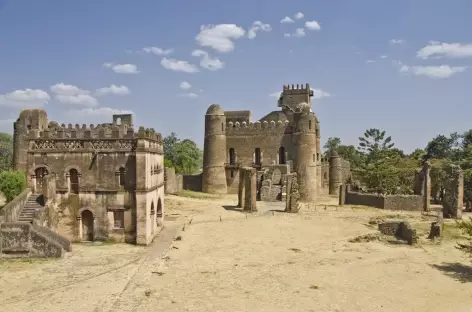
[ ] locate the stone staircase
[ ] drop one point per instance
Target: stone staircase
(32, 206)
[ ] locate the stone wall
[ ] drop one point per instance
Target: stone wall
(293, 193)
(272, 186)
(390, 202)
(22, 239)
(401, 229)
(173, 181)
(12, 210)
(192, 182)
(247, 193)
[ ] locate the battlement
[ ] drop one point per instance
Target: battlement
(100, 131)
(297, 90)
(257, 128)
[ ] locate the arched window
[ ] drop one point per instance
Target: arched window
(309, 124)
(222, 127)
(232, 156)
(122, 176)
(74, 181)
(325, 176)
(40, 173)
(257, 156)
(282, 160)
(118, 121)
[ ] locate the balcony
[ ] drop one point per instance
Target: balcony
(258, 166)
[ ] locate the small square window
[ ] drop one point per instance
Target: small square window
(119, 219)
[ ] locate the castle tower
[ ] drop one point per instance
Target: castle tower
(30, 119)
(293, 95)
(305, 147)
(214, 152)
(335, 173)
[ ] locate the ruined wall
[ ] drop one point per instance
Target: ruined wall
(192, 182)
(453, 199)
(23, 239)
(390, 202)
(273, 183)
(12, 210)
(173, 181)
(293, 193)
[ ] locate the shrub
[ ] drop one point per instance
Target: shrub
(12, 183)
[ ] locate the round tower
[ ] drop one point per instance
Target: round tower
(306, 154)
(335, 173)
(214, 152)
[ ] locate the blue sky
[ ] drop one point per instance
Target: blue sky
(402, 66)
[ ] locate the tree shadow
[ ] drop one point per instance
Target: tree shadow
(457, 271)
(232, 208)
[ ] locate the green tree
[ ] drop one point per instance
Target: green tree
(442, 147)
(12, 183)
(466, 227)
(183, 155)
(332, 144)
(375, 139)
(6, 151)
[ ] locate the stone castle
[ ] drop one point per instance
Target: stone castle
(106, 181)
(284, 140)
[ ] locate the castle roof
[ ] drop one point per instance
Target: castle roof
(215, 109)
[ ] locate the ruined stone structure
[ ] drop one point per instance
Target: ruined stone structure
(290, 136)
(293, 194)
(453, 199)
(108, 179)
(247, 189)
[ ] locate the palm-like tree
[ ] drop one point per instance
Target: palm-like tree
(374, 140)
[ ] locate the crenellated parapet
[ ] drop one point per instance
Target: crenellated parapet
(257, 128)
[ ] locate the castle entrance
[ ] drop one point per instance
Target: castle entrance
(87, 225)
(40, 173)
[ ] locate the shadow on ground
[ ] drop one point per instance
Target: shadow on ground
(457, 271)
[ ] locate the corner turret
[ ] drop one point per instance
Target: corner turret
(214, 152)
(292, 96)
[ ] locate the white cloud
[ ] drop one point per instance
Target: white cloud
(442, 49)
(208, 62)
(287, 35)
(122, 68)
(178, 65)
(97, 112)
(370, 61)
(158, 51)
(312, 25)
(299, 32)
(319, 94)
(257, 26)
(113, 89)
(275, 94)
(434, 72)
(299, 15)
(219, 37)
(397, 41)
(286, 19)
(70, 94)
(6, 125)
(189, 95)
(383, 56)
(185, 85)
(31, 98)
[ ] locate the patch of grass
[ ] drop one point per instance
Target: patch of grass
(365, 238)
(314, 287)
(197, 195)
(295, 249)
(7, 262)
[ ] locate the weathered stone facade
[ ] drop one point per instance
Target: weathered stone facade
(290, 135)
(109, 179)
(247, 190)
(453, 199)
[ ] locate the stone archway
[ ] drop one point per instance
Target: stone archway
(40, 173)
(87, 225)
(159, 214)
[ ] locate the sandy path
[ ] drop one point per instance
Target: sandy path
(230, 261)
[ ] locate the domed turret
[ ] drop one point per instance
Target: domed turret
(214, 151)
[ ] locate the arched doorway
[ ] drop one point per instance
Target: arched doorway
(151, 217)
(40, 173)
(87, 225)
(74, 181)
(282, 160)
(159, 212)
(232, 156)
(257, 157)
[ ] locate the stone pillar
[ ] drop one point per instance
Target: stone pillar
(342, 194)
(454, 193)
(241, 188)
(250, 198)
(426, 186)
(335, 173)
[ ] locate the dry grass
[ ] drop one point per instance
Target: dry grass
(257, 262)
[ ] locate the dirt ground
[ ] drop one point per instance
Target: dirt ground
(226, 260)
